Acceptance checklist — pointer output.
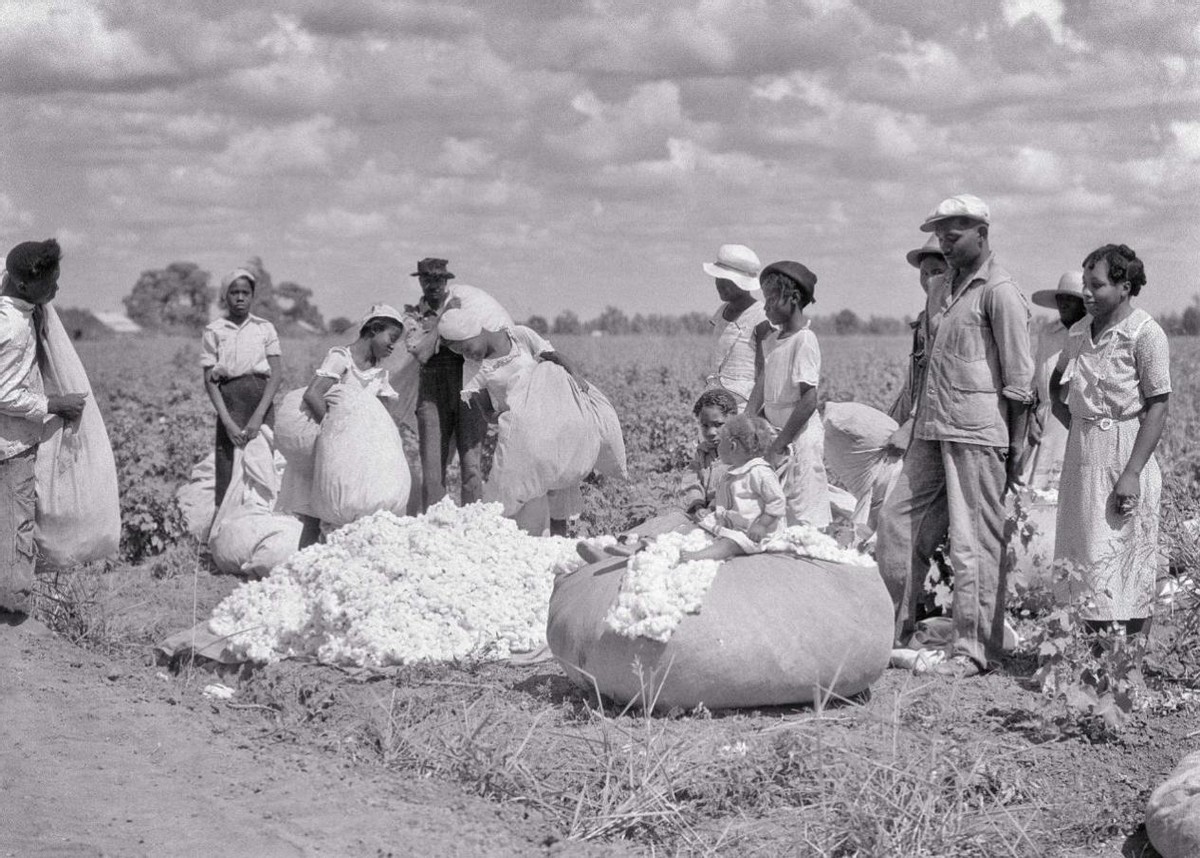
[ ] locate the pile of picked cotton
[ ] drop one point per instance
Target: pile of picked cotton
(454, 583)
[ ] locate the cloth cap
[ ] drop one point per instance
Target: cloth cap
(381, 311)
(1069, 285)
(432, 267)
(237, 274)
(29, 260)
(930, 248)
(461, 323)
(736, 263)
(806, 280)
(962, 205)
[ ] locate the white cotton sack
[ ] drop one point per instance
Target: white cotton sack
(360, 467)
(1173, 811)
(196, 498)
(78, 505)
(296, 435)
(248, 537)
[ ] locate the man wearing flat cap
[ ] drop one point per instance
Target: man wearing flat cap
(444, 422)
(968, 440)
(29, 282)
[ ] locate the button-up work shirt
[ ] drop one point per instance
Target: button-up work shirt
(22, 397)
(979, 358)
(235, 350)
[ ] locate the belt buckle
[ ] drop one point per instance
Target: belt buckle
(1106, 423)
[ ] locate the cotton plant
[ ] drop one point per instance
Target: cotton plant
(454, 583)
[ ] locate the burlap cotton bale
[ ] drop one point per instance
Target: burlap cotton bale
(773, 630)
(1173, 811)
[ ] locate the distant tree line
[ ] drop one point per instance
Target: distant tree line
(180, 297)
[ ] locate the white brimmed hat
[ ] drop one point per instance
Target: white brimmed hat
(961, 205)
(736, 263)
(380, 311)
(1070, 285)
(932, 247)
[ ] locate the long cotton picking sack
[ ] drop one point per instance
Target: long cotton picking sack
(78, 508)
(360, 467)
(772, 630)
(1173, 811)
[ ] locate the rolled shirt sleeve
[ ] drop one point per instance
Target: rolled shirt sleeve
(1009, 315)
(208, 348)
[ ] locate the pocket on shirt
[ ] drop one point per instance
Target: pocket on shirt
(968, 369)
(975, 410)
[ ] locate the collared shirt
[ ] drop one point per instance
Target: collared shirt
(733, 361)
(748, 491)
(979, 358)
(234, 350)
(22, 397)
(1114, 375)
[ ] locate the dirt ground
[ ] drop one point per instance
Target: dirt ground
(117, 755)
(101, 757)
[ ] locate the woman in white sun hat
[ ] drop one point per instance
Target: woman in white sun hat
(739, 322)
(1048, 437)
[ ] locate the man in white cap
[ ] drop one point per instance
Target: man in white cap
(968, 440)
(1047, 436)
(739, 321)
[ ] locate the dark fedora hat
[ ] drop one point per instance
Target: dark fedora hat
(432, 268)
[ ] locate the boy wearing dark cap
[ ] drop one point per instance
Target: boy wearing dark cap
(30, 280)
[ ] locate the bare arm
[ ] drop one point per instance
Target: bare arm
(1149, 433)
(314, 395)
(754, 405)
(1057, 407)
(568, 365)
(273, 382)
(797, 420)
(1018, 426)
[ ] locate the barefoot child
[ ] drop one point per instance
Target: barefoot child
(1115, 369)
(242, 371)
(356, 364)
(786, 393)
(750, 503)
(712, 410)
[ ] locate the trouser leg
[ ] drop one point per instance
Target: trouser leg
(472, 430)
(975, 478)
(241, 396)
(222, 463)
(912, 522)
(18, 552)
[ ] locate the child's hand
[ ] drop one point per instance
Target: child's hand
(1127, 492)
(757, 531)
(235, 433)
(251, 429)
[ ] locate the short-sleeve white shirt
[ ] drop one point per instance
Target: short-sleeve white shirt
(235, 350)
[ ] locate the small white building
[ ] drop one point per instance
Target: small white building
(117, 322)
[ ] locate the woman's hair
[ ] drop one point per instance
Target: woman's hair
(719, 397)
(753, 434)
(373, 326)
(1123, 264)
(789, 290)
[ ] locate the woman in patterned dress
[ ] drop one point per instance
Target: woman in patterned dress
(1115, 370)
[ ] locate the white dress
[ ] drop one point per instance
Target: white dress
(1116, 557)
(791, 361)
(551, 434)
(295, 489)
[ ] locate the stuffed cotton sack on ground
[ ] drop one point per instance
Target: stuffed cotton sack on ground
(771, 629)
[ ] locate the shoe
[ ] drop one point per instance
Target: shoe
(958, 667)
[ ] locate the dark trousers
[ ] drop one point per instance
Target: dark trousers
(241, 395)
(18, 507)
(443, 417)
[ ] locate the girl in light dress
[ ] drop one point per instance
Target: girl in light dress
(1115, 370)
(357, 364)
(554, 429)
(786, 393)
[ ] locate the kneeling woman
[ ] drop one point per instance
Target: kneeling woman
(554, 428)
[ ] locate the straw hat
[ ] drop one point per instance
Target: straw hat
(736, 263)
(1070, 285)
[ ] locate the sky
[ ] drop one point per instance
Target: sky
(572, 155)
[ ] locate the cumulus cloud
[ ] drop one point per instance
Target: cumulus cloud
(311, 145)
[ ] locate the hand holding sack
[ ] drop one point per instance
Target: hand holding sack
(359, 463)
(78, 506)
